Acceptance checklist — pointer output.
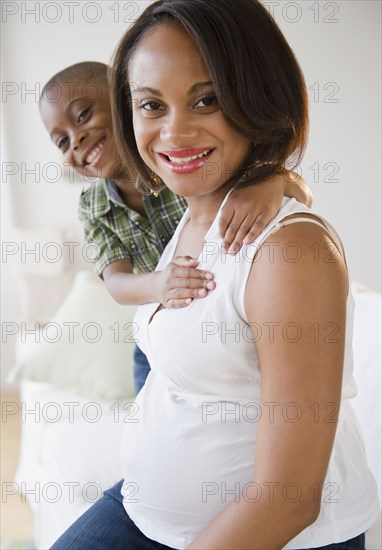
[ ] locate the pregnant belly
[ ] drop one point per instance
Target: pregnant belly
(179, 466)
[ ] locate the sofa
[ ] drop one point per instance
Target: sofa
(76, 394)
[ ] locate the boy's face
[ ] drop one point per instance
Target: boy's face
(78, 119)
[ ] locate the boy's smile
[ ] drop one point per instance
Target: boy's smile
(80, 126)
(95, 152)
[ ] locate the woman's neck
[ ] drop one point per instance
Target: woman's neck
(203, 209)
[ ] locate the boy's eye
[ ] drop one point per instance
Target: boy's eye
(207, 101)
(61, 142)
(82, 115)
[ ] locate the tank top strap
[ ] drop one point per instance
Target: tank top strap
(327, 227)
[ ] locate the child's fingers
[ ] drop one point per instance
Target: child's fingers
(178, 304)
(190, 273)
(185, 261)
(177, 283)
(247, 232)
(258, 225)
(184, 297)
(238, 229)
(226, 217)
(190, 288)
(261, 221)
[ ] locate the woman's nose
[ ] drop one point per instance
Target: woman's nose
(178, 128)
(77, 139)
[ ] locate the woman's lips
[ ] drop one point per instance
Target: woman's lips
(185, 160)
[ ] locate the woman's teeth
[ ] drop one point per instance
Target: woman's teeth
(184, 160)
(94, 153)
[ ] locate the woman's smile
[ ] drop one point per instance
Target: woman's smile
(185, 160)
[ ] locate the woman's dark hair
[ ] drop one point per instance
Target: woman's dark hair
(258, 81)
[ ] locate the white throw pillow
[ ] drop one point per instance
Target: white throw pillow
(88, 345)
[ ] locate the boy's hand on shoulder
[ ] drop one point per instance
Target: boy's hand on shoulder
(180, 282)
(249, 209)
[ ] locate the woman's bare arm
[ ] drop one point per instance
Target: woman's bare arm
(301, 309)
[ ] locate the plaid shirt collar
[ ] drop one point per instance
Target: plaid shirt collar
(112, 195)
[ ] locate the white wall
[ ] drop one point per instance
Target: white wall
(338, 45)
(346, 54)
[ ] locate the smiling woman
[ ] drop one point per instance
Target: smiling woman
(177, 121)
(229, 408)
(264, 109)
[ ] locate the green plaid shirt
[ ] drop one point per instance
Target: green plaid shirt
(120, 233)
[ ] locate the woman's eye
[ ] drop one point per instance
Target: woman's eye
(207, 101)
(82, 115)
(61, 142)
(150, 106)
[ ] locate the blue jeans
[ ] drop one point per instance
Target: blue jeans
(141, 369)
(358, 543)
(106, 526)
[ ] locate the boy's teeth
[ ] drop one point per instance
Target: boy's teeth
(94, 153)
(177, 160)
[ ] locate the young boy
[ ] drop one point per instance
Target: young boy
(131, 230)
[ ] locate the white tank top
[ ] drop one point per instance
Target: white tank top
(188, 449)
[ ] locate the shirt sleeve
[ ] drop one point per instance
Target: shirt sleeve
(108, 248)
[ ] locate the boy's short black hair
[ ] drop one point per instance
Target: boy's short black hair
(86, 71)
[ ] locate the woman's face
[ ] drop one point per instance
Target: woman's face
(180, 130)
